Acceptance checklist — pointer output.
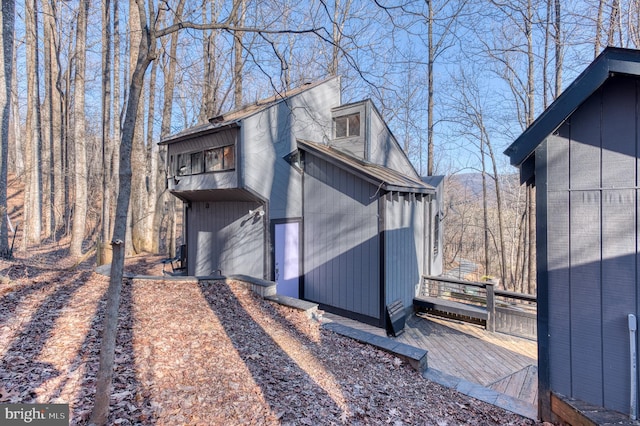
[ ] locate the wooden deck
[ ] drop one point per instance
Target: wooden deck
(503, 363)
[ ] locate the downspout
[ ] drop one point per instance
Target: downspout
(429, 227)
(382, 205)
(633, 403)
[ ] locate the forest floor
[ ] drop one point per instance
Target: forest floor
(200, 354)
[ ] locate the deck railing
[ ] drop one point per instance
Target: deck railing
(508, 312)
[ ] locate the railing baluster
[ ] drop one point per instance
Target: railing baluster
(507, 311)
(491, 307)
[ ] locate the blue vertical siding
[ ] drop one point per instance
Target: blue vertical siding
(585, 286)
(270, 135)
(592, 239)
(404, 247)
(618, 291)
(341, 242)
(223, 236)
(558, 260)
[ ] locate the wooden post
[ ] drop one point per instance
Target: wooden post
(491, 307)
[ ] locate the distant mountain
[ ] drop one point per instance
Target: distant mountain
(469, 185)
(471, 182)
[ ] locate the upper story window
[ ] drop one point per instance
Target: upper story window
(219, 159)
(197, 165)
(211, 160)
(347, 125)
(183, 165)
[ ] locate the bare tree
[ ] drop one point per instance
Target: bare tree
(559, 46)
(139, 212)
(165, 205)
(340, 15)
(52, 133)
(146, 53)
(79, 134)
(32, 195)
(7, 18)
(212, 81)
(615, 25)
(238, 61)
(114, 160)
(16, 154)
(107, 142)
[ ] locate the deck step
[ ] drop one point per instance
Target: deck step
(450, 307)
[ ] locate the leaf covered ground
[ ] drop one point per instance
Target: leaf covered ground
(201, 354)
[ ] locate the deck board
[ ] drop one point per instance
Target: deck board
(504, 363)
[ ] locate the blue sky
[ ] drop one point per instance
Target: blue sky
(389, 51)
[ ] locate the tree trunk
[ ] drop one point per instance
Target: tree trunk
(54, 195)
(485, 213)
(107, 145)
(117, 119)
(152, 161)
(530, 117)
(68, 154)
(211, 82)
(614, 24)
(16, 155)
(139, 217)
(32, 194)
(531, 240)
(79, 137)
(237, 54)
(7, 19)
(558, 45)
(430, 61)
(165, 200)
(100, 411)
(599, 27)
(500, 207)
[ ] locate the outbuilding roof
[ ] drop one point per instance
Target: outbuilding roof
(386, 178)
(611, 61)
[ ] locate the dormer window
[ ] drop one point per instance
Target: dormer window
(347, 126)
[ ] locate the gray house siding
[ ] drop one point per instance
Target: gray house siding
(434, 232)
(270, 135)
(588, 254)
(200, 143)
(341, 243)
(222, 235)
(383, 147)
(404, 241)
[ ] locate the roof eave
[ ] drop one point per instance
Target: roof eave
(611, 61)
(179, 137)
(386, 186)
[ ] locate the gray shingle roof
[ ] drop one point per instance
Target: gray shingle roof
(388, 179)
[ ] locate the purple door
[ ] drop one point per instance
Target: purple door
(287, 259)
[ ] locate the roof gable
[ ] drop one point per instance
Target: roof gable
(611, 61)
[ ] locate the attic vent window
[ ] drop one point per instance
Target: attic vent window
(347, 126)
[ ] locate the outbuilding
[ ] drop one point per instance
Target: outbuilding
(582, 156)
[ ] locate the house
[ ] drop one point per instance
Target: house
(582, 156)
(313, 194)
